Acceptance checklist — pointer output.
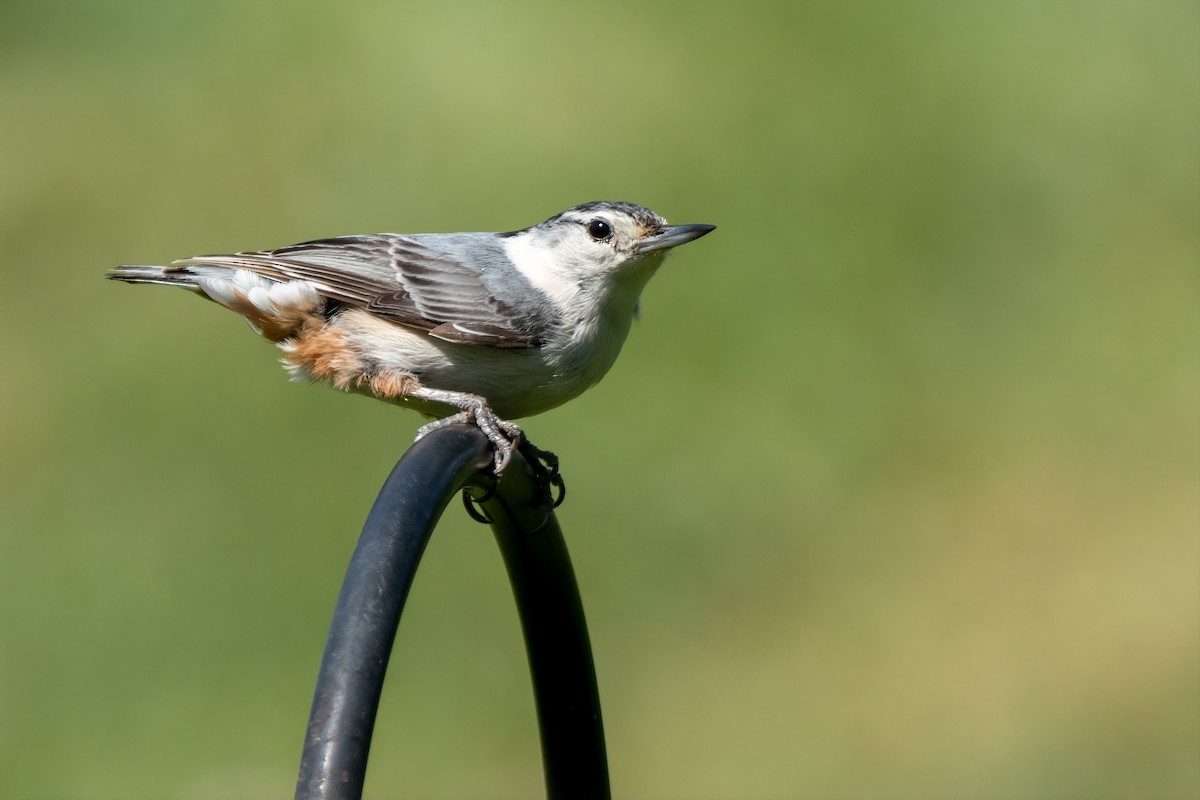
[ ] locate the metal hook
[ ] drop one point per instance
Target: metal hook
(545, 468)
(475, 507)
(544, 465)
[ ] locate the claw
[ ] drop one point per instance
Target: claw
(505, 436)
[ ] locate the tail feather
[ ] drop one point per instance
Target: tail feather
(136, 273)
(277, 310)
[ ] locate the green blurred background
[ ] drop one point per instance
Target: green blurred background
(892, 494)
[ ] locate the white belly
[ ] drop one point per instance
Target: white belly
(516, 382)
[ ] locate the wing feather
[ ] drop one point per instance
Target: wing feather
(399, 278)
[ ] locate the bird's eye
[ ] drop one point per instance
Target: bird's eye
(599, 230)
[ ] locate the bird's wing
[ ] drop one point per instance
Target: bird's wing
(394, 277)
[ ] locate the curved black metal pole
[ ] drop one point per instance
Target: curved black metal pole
(556, 639)
(334, 761)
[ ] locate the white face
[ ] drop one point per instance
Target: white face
(589, 250)
(596, 257)
(597, 240)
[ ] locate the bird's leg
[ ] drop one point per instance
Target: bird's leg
(504, 435)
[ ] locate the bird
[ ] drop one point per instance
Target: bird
(481, 328)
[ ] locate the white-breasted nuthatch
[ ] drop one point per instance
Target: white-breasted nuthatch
(466, 327)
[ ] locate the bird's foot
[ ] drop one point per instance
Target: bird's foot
(505, 436)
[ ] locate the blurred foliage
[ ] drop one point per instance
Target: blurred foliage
(892, 494)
